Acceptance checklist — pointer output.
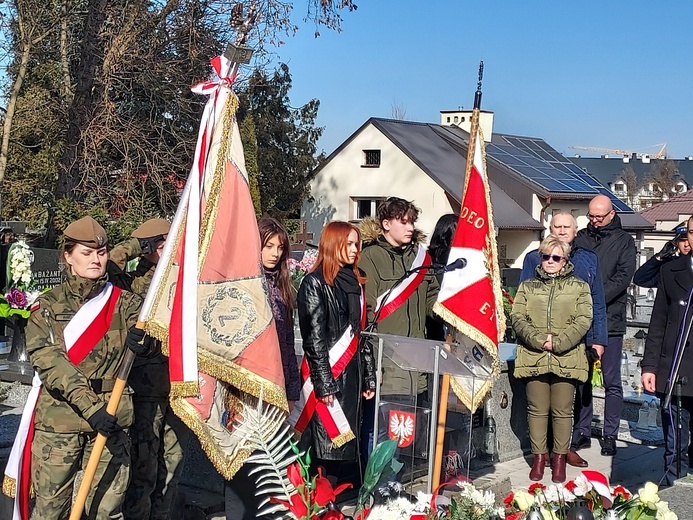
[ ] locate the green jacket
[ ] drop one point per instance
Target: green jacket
(149, 377)
(70, 393)
(384, 264)
(562, 306)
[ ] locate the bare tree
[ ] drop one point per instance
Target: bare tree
(398, 111)
(31, 25)
(663, 177)
(632, 186)
(109, 122)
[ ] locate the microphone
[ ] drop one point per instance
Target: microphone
(460, 263)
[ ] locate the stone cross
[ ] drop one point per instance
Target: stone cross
(302, 236)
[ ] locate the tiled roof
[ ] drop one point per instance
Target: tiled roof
(670, 209)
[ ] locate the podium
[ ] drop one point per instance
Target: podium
(417, 356)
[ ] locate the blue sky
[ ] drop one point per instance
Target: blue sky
(606, 74)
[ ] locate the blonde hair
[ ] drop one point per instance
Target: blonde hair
(550, 243)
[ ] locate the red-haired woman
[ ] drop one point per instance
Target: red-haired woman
(330, 314)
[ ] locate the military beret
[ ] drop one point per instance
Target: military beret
(86, 231)
(152, 228)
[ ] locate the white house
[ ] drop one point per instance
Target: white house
(425, 162)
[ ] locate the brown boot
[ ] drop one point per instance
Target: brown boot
(537, 471)
(576, 460)
(558, 467)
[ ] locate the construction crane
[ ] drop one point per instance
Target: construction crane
(627, 154)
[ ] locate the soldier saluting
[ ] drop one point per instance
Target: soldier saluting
(75, 341)
(158, 436)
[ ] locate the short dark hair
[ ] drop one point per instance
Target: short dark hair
(395, 208)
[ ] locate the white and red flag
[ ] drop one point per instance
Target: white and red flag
(470, 298)
(207, 302)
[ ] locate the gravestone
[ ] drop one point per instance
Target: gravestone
(46, 270)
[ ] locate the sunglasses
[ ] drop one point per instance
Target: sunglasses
(555, 258)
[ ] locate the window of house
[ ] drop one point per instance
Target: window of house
(619, 186)
(365, 207)
(371, 158)
(448, 119)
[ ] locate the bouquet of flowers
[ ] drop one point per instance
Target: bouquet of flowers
(313, 497)
(21, 291)
(299, 269)
(597, 376)
(590, 491)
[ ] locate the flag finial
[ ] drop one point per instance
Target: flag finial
(477, 95)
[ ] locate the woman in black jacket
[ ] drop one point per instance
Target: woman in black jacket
(331, 315)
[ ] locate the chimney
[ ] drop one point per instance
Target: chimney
(463, 119)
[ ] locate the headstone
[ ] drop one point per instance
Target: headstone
(47, 267)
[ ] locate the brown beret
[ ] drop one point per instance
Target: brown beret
(86, 231)
(152, 228)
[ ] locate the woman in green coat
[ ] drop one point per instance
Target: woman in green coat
(551, 315)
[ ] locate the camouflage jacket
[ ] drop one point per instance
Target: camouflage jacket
(70, 393)
(149, 377)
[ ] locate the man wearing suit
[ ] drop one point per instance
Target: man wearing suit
(672, 301)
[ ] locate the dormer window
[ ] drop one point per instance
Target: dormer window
(371, 158)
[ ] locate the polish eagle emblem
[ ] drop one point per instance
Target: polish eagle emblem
(401, 427)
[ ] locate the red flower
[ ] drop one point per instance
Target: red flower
(622, 492)
(536, 488)
(570, 486)
(296, 505)
(514, 516)
(293, 473)
(323, 493)
(508, 501)
(333, 515)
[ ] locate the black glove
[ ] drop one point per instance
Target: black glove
(669, 250)
(135, 341)
(103, 422)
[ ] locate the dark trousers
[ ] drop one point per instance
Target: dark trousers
(613, 389)
(239, 495)
(582, 421)
(670, 429)
(613, 394)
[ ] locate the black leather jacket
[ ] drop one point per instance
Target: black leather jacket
(323, 317)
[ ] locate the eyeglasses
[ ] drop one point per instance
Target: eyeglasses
(555, 258)
(599, 218)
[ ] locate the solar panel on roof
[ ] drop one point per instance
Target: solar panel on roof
(538, 162)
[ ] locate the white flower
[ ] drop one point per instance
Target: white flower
(648, 495)
(31, 297)
(392, 510)
(582, 486)
(663, 511)
(423, 502)
(555, 493)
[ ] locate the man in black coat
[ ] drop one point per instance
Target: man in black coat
(615, 249)
(647, 274)
(673, 298)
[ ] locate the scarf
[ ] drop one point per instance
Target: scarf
(346, 281)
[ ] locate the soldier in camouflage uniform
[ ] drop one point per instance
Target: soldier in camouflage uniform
(71, 407)
(158, 435)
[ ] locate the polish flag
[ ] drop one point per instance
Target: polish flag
(470, 298)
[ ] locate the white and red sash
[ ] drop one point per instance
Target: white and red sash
(86, 328)
(404, 290)
(332, 417)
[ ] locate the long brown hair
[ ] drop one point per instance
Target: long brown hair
(333, 244)
(268, 228)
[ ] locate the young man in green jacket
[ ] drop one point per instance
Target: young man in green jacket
(398, 300)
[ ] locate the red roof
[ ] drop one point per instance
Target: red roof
(670, 209)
